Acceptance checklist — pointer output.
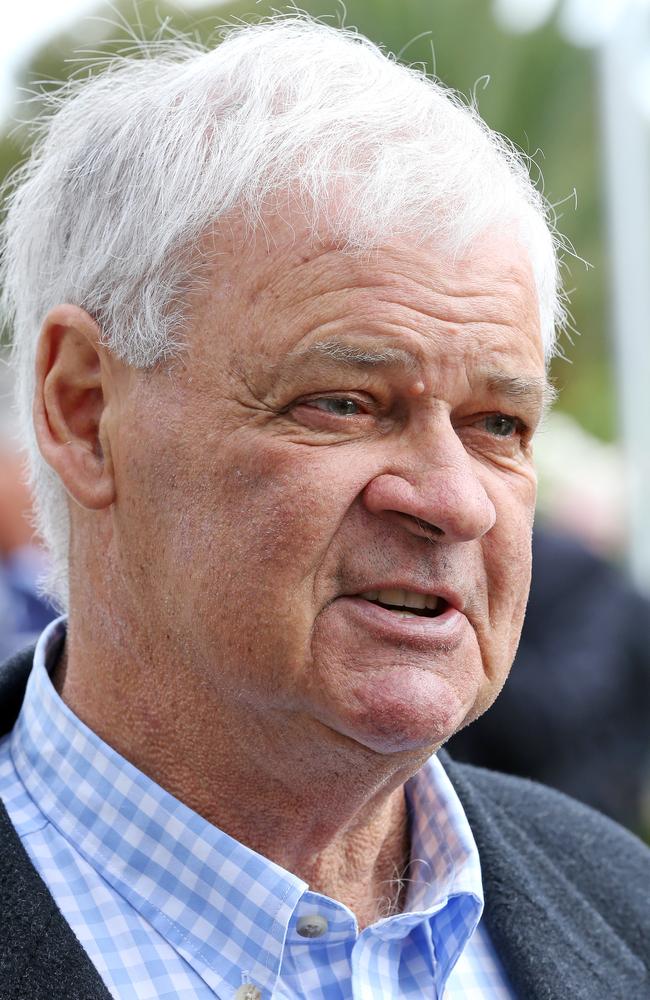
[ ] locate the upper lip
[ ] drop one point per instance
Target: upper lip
(452, 597)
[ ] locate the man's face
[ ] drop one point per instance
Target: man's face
(328, 502)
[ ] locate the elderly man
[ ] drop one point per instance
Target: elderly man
(281, 314)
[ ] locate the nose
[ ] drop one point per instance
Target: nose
(434, 493)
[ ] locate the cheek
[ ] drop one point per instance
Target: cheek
(250, 537)
(507, 555)
(507, 566)
(283, 504)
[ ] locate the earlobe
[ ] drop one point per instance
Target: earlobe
(72, 383)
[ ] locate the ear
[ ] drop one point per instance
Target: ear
(72, 385)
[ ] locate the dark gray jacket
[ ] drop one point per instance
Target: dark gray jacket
(567, 893)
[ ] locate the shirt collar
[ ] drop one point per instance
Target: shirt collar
(226, 909)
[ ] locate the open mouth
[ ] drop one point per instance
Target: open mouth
(406, 603)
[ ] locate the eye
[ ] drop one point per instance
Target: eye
(500, 425)
(338, 406)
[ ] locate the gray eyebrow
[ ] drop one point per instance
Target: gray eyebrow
(358, 357)
(520, 388)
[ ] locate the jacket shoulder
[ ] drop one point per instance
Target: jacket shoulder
(582, 840)
(567, 890)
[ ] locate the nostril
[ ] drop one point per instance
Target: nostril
(426, 527)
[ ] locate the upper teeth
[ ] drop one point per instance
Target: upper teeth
(403, 598)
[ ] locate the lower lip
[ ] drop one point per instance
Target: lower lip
(444, 630)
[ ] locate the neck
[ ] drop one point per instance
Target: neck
(315, 802)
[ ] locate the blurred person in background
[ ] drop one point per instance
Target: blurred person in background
(575, 712)
(24, 612)
(282, 314)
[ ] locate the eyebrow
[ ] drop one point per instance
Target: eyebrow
(359, 357)
(522, 388)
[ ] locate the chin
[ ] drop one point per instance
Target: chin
(391, 718)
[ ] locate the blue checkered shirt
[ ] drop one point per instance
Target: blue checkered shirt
(168, 906)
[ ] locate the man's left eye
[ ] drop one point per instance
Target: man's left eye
(501, 425)
(339, 406)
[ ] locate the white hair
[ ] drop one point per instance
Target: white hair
(136, 165)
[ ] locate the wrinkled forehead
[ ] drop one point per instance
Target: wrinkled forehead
(267, 290)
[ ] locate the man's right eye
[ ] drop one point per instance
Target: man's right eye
(338, 406)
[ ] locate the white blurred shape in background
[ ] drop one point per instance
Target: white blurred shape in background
(591, 22)
(522, 15)
(619, 31)
(26, 26)
(583, 22)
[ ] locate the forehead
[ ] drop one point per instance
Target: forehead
(282, 299)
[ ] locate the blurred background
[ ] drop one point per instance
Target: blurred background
(568, 81)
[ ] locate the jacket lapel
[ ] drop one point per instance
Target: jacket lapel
(553, 942)
(40, 957)
(14, 674)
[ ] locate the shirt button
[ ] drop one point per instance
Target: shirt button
(313, 926)
(248, 992)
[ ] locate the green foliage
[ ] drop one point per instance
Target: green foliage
(541, 94)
